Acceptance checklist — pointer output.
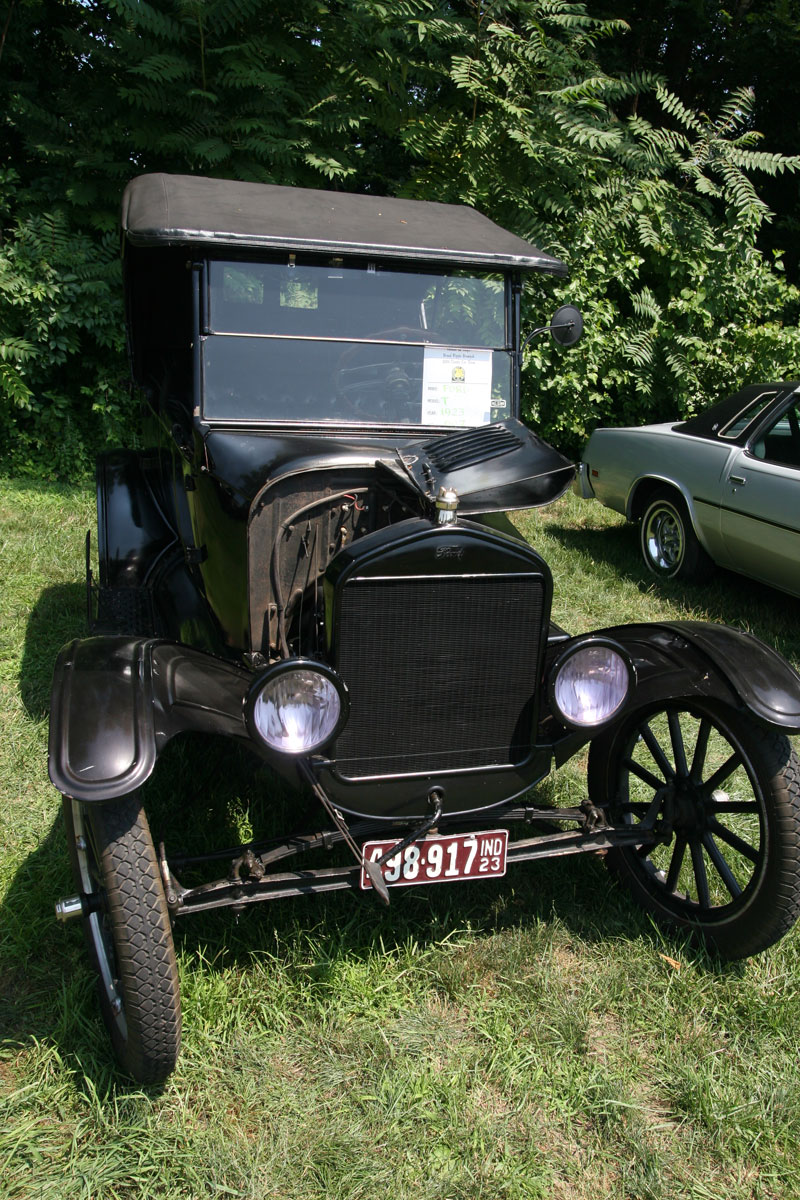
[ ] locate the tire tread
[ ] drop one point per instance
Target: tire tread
(142, 937)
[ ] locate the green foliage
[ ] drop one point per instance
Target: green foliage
(523, 114)
(680, 306)
(503, 105)
(705, 52)
(62, 373)
(658, 221)
(92, 95)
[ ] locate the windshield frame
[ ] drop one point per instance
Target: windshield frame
(202, 271)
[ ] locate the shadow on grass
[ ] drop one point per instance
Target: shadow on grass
(58, 616)
(207, 794)
(728, 597)
(47, 990)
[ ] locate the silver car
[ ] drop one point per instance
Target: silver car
(722, 487)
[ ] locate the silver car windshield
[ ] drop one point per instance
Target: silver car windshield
(361, 345)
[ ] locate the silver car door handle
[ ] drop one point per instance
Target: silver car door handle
(737, 479)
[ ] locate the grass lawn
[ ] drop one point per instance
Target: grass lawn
(529, 1037)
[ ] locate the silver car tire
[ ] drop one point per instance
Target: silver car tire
(670, 548)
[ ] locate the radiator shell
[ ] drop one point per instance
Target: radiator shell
(438, 634)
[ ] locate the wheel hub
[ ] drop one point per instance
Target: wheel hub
(687, 806)
(664, 540)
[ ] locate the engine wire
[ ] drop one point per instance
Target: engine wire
(275, 557)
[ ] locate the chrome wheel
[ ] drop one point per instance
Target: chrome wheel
(669, 544)
(664, 539)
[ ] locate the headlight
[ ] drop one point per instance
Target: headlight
(590, 683)
(297, 706)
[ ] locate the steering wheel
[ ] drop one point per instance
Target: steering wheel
(384, 388)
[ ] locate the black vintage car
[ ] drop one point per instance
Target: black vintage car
(311, 556)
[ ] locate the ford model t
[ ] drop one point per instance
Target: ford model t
(310, 555)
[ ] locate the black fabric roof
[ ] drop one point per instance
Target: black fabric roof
(162, 209)
(709, 422)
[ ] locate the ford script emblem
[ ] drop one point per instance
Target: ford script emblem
(449, 551)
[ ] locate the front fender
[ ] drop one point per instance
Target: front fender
(117, 701)
(700, 659)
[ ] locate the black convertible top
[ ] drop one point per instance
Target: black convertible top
(169, 209)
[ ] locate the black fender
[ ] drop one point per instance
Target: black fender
(692, 660)
(704, 660)
(117, 701)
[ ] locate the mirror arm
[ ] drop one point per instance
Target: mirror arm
(545, 329)
(566, 328)
(533, 333)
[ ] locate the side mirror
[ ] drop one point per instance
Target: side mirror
(566, 327)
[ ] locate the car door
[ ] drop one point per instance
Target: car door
(760, 514)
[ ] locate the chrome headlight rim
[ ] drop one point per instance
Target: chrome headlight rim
(271, 675)
(590, 642)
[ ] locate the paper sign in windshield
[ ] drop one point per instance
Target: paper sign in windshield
(456, 386)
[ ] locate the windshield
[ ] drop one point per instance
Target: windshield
(360, 344)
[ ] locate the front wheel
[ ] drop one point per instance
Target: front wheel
(670, 548)
(722, 797)
(128, 932)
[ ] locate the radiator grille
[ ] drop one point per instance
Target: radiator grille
(441, 672)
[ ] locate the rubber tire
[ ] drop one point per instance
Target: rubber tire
(769, 903)
(129, 935)
(669, 544)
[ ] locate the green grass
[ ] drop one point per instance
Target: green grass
(529, 1037)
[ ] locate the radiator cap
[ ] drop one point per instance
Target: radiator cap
(447, 505)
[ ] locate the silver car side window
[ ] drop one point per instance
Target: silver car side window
(781, 442)
(739, 423)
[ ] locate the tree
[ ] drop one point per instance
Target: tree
(657, 219)
(681, 306)
(92, 94)
(503, 104)
(705, 51)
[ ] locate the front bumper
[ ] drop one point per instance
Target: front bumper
(581, 484)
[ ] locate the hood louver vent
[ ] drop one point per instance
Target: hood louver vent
(454, 452)
(494, 468)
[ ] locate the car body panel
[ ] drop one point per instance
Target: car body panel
(166, 210)
(760, 520)
(744, 508)
(309, 557)
(117, 701)
(352, 534)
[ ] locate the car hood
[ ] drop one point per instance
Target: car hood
(494, 468)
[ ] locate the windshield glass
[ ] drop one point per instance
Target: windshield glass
(357, 344)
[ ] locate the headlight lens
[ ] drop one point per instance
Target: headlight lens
(590, 685)
(296, 710)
